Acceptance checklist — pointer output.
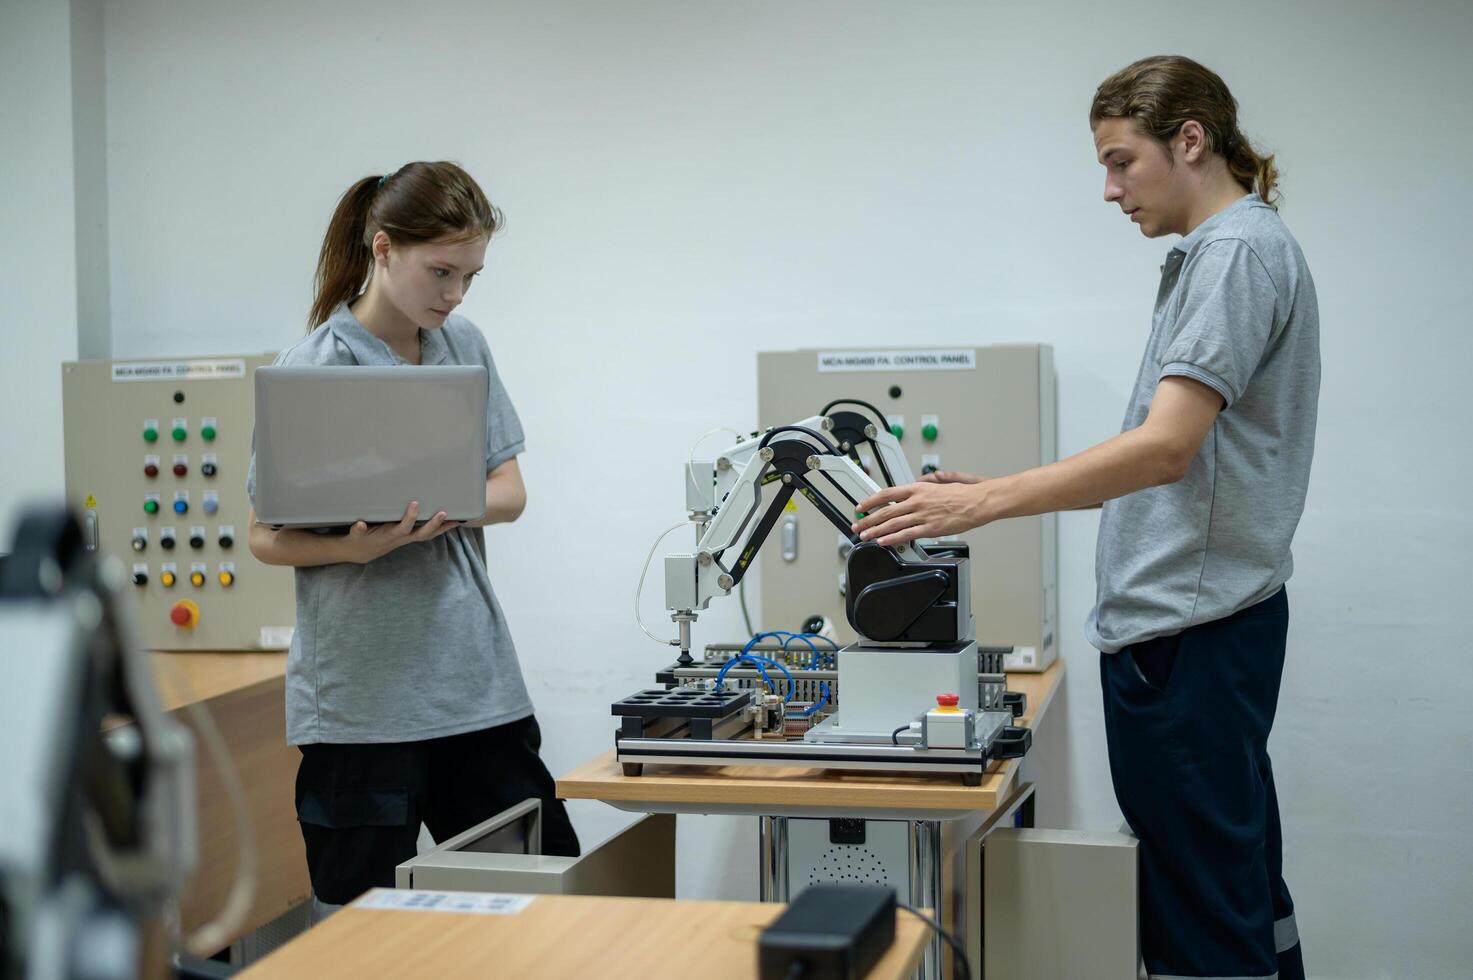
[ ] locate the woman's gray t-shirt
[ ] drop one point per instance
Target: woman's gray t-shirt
(1237, 312)
(413, 645)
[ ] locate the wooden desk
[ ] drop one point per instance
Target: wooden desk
(940, 812)
(556, 937)
(245, 693)
(186, 677)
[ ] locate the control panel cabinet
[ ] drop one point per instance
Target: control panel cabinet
(988, 410)
(156, 459)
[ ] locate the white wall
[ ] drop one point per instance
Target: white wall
(38, 270)
(89, 159)
(688, 183)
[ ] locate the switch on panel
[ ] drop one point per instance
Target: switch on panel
(184, 614)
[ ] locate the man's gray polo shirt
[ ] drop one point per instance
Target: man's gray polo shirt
(1237, 312)
(413, 645)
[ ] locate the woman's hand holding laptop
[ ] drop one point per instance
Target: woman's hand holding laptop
(369, 541)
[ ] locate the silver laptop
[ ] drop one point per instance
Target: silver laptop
(335, 445)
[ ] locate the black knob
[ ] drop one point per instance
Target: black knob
(140, 578)
(196, 540)
(139, 544)
(929, 468)
(178, 398)
(208, 469)
(167, 542)
(226, 541)
(894, 391)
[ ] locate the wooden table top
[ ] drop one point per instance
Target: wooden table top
(185, 677)
(602, 778)
(556, 937)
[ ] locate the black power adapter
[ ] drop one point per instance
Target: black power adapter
(830, 932)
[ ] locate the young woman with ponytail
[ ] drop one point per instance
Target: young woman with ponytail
(404, 692)
(1202, 492)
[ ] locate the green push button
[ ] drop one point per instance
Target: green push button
(897, 430)
(150, 434)
(208, 432)
(180, 433)
(928, 433)
(150, 506)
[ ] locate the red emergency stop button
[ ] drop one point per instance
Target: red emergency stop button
(948, 700)
(185, 614)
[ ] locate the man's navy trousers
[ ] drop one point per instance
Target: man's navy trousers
(1187, 719)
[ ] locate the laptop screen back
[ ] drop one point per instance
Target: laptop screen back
(335, 445)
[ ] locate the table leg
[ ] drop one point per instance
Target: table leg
(925, 885)
(1026, 809)
(772, 847)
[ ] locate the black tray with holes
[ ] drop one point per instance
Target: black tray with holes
(661, 703)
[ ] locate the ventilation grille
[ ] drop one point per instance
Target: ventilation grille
(850, 864)
(272, 935)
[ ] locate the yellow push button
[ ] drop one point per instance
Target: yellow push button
(167, 580)
(197, 579)
(227, 579)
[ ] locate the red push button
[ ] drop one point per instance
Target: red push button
(185, 614)
(180, 469)
(150, 470)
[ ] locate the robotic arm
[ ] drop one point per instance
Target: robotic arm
(846, 430)
(98, 834)
(897, 594)
(852, 430)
